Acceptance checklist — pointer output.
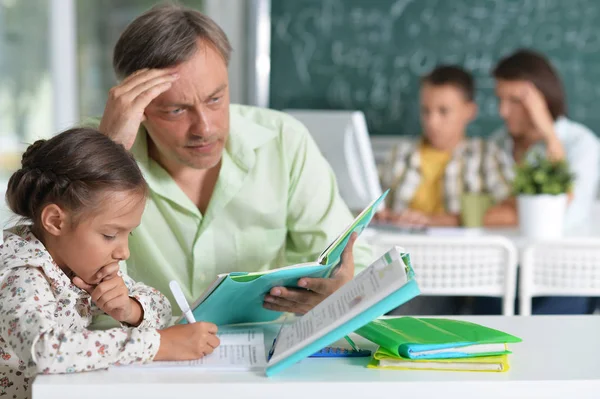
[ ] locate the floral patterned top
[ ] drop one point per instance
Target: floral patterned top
(44, 319)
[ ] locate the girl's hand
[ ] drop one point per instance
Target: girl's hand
(187, 341)
(112, 297)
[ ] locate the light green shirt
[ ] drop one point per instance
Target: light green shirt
(275, 203)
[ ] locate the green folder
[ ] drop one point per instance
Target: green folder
(382, 360)
(433, 338)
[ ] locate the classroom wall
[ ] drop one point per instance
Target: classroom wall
(233, 17)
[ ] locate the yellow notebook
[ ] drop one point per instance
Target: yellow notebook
(382, 359)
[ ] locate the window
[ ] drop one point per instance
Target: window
(25, 84)
(99, 25)
(27, 106)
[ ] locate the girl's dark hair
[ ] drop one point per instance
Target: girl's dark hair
(71, 170)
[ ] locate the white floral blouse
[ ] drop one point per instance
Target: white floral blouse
(44, 319)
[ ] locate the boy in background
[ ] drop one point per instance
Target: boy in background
(428, 174)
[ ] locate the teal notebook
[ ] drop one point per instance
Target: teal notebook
(436, 338)
(386, 284)
(235, 298)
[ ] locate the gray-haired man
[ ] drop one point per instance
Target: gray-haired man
(232, 188)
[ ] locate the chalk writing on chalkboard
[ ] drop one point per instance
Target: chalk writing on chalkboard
(370, 54)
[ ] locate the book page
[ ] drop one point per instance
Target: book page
(350, 227)
(240, 349)
(372, 285)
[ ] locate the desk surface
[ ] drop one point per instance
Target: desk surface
(372, 234)
(559, 357)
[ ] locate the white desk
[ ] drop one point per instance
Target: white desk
(512, 233)
(558, 358)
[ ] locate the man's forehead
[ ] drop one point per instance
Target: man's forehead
(187, 94)
(178, 93)
(196, 79)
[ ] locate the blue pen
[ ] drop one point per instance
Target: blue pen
(272, 350)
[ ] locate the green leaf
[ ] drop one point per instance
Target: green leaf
(539, 176)
(542, 176)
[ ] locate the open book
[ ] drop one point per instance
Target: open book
(386, 284)
(235, 298)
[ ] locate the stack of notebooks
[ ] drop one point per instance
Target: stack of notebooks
(409, 343)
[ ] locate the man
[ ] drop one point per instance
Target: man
(428, 175)
(232, 188)
(533, 106)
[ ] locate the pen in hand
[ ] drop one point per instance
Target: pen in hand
(181, 301)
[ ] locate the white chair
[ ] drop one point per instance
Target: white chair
(566, 267)
(459, 266)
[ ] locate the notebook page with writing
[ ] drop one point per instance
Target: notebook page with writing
(240, 350)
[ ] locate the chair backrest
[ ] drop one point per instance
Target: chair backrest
(566, 267)
(459, 266)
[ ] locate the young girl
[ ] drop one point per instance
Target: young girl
(83, 195)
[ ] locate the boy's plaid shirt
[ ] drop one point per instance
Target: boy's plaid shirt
(476, 166)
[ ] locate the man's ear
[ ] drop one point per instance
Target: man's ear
(54, 220)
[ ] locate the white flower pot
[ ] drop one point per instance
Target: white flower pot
(542, 216)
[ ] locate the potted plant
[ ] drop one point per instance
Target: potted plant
(542, 188)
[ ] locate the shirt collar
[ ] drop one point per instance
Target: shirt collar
(21, 247)
(457, 152)
(560, 127)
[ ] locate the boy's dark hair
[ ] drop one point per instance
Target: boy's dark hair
(533, 67)
(452, 75)
(71, 170)
(165, 36)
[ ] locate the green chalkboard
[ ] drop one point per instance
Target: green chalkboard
(369, 54)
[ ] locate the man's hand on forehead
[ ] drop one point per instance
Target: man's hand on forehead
(124, 111)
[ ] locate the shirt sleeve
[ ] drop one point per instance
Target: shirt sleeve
(583, 157)
(29, 324)
(399, 176)
(157, 309)
(392, 167)
(316, 212)
(499, 171)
